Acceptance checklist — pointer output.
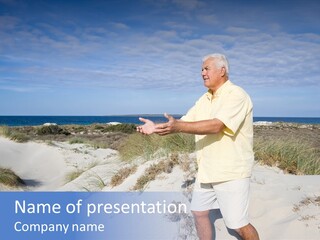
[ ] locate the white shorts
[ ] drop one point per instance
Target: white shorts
(231, 197)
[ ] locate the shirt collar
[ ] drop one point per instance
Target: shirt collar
(219, 91)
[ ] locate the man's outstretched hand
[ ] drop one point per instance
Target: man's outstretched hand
(147, 128)
(166, 128)
(150, 127)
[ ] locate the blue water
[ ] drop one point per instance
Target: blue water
(81, 120)
(85, 120)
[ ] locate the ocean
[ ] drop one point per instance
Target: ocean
(85, 120)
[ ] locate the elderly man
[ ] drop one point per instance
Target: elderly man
(221, 120)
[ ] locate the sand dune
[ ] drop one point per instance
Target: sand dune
(39, 165)
(282, 206)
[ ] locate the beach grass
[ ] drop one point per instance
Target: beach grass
(77, 140)
(96, 180)
(291, 147)
(294, 155)
(137, 145)
(9, 178)
(289, 154)
(77, 172)
(5, 131)
(13, 134)
(73, 175)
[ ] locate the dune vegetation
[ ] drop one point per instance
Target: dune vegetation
(289, 154)
(291, 147)
(9, 178)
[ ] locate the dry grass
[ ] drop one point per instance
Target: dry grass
(122, 174)
(150, 174)
(186, 163)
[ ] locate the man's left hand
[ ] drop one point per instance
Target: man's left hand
(166, 128)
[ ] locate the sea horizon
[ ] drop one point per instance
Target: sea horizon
(34, 120)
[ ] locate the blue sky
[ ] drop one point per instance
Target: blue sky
(144, 56)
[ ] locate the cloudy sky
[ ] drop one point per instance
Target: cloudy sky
(144, 56)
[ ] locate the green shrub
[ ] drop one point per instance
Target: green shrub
(124, 128)
(78, 128)
(98, 127)
(51, 130)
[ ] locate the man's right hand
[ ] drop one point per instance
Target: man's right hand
(147, 128)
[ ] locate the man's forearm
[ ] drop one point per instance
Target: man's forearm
(203, 127)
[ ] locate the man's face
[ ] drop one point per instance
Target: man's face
(211, 75)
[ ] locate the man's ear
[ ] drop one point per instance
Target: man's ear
(223, 72)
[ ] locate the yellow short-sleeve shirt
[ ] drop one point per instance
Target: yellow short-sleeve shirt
(229, 154)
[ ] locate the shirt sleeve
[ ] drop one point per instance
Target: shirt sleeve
(190, 116)
(236, 105)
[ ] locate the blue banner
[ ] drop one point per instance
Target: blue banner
(98, 215)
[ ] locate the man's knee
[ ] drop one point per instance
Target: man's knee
(243, 229)
(248, 232)
(200, 214)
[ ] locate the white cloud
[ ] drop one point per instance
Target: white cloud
(240, 30)
(97, 56)
(164, 60)
(179, 26)
(120, 25)
(209, 19)
(166, 34)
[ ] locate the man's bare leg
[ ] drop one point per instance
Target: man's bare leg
(248, 232)
(203, 224)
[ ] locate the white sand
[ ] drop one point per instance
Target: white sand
(40, 165)
(46, 168)
(282, 206)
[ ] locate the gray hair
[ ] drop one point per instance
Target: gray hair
(220, 61)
